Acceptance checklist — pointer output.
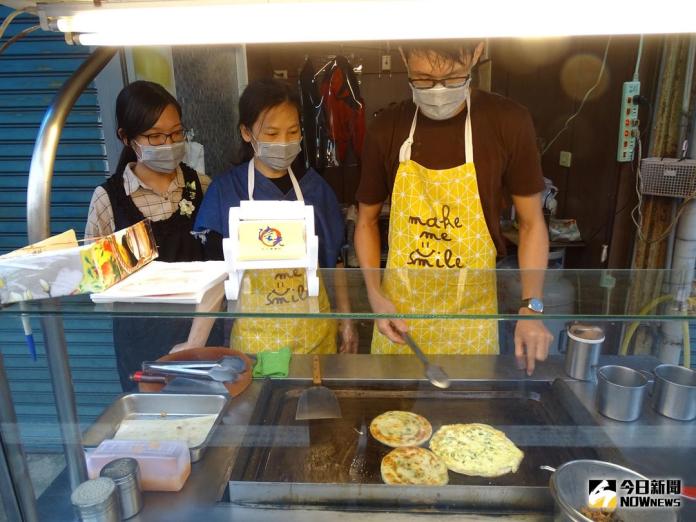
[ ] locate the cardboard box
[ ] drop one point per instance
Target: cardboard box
(59, 266)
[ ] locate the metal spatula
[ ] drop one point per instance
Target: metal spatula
(434, 373)
(358, 466)
(317, 402)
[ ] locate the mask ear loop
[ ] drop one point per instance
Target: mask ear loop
(251, 131)
(403, 57)
(254, 144)
(135, 150)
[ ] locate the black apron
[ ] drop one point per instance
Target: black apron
(147, 339)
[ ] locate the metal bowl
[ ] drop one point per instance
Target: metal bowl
(569, 488)
(620, 392)
(674, 394)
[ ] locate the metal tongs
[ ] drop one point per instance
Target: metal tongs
(225, 369)
(435, 374)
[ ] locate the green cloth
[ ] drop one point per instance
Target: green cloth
(272, 364)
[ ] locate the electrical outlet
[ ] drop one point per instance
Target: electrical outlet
(566, 159)
(628, 122)
(386, 62)
(280, 74)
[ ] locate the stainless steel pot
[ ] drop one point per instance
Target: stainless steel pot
(674, 392)
(583, 351)
(569, 485)
(620, 392)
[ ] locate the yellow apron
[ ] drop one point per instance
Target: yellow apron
(281, 291)
(441, 256)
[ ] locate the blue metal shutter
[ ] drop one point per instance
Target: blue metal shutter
(31, 72)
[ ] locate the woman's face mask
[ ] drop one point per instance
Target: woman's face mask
(161, 158)
(440, 102)
(278, 156)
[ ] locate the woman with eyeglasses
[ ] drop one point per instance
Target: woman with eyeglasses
(150, 181)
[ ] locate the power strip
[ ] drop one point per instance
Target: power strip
(628, 123)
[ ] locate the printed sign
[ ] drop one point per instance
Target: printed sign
(266, 240)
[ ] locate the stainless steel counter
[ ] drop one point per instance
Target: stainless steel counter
(654, 445)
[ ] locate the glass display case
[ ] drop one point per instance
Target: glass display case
(616, 389)
(260, 463)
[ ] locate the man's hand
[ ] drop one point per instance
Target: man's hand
(393, 327)
(349, 337)
(532, 341)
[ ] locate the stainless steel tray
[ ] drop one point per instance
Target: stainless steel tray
(151, 406)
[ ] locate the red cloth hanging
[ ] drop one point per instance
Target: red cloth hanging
(344, 109)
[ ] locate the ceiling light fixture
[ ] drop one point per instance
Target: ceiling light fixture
(187, 22)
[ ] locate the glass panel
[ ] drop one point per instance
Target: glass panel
(421, 294)
(265, 451)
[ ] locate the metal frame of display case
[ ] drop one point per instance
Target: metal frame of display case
(16, 489)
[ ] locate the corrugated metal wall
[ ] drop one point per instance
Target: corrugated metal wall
(31, 72)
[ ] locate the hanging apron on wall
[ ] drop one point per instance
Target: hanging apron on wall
(280, 291)
(441, 256)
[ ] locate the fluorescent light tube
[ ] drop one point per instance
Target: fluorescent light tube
(275, 21)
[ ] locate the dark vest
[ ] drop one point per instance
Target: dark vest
(138, 339)
(172, 235)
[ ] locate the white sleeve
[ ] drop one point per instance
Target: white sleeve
(100, 219)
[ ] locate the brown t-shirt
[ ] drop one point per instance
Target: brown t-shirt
(505, 152)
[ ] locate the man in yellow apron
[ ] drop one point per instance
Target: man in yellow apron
(443, 233)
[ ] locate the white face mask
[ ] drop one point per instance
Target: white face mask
(440, 102)
(278, 156)
(161, 158)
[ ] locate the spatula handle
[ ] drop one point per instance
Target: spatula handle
(415, 348)
(316, 370)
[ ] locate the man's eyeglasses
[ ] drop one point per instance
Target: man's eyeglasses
(450, 83)
(160, 138)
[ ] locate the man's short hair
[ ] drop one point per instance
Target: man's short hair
(450, 50)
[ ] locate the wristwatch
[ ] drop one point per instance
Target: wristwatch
(533, 304)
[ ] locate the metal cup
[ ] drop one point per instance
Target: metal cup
(620, 392)
(584, 348)
(674, 394)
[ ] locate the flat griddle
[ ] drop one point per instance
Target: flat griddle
(279, 449)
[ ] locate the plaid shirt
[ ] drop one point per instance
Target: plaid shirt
(100, 220)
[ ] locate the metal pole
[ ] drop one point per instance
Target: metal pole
(10, 506)
(43, 158)
(39, 227)
(683, 135)
(61, 381)
(16, 461)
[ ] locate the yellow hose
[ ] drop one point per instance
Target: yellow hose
(687, 346)
(634, 325)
